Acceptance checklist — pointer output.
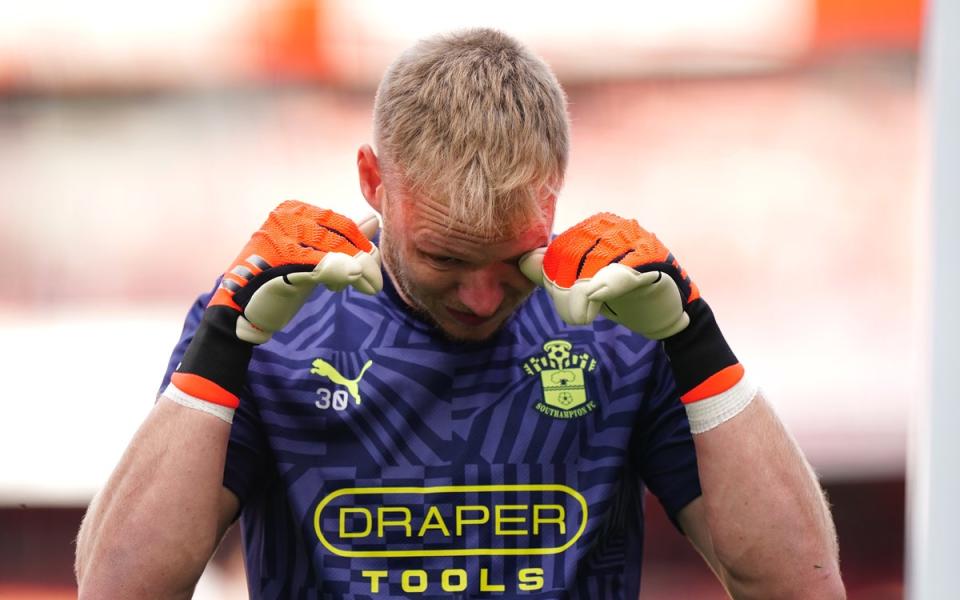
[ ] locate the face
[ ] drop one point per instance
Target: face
(466, 284)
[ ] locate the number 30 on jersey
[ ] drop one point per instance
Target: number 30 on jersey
(336, 399)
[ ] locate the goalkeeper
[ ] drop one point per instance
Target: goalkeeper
(456, 405)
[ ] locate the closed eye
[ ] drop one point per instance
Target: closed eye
(442, 261)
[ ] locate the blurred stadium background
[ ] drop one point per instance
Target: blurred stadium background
(773, 143)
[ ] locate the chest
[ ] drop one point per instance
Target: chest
(556, 402)
(414, 454)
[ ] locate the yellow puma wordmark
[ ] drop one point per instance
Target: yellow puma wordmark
(325, 369)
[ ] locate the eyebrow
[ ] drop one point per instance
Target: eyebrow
(438, 250)
(428, 247)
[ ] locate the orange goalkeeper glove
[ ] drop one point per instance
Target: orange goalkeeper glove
(298, 248)
(611, 266)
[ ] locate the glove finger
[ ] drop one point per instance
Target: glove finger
(573, 304)
(531, 265)
(369, 226)
(338, 270)
(371, 278)
(272, 306)
(616, 280)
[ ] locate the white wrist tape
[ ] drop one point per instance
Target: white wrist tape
(706, 414)
(182, 398)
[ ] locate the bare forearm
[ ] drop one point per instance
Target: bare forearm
(770, 526)
(151, 530)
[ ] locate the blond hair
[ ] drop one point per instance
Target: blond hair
(474, 119)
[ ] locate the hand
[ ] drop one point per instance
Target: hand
(298, 248)
(611, 266)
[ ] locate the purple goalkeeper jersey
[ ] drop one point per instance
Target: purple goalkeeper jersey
(373, 458)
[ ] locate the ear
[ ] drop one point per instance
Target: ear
(368, 169)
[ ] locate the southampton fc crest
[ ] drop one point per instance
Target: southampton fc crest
(561, 372)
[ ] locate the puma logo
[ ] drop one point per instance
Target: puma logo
(325, 369)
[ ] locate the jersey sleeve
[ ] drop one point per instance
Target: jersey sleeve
(245, 465)
(662, 444)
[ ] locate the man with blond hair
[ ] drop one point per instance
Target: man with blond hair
(479, 418)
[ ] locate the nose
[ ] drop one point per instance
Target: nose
(481, 291)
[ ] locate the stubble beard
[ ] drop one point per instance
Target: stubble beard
(392, 262)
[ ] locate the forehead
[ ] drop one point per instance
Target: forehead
(428, 225)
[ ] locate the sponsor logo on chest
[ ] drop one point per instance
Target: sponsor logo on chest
(345, 387)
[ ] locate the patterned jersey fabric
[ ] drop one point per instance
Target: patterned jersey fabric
(373, 458)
